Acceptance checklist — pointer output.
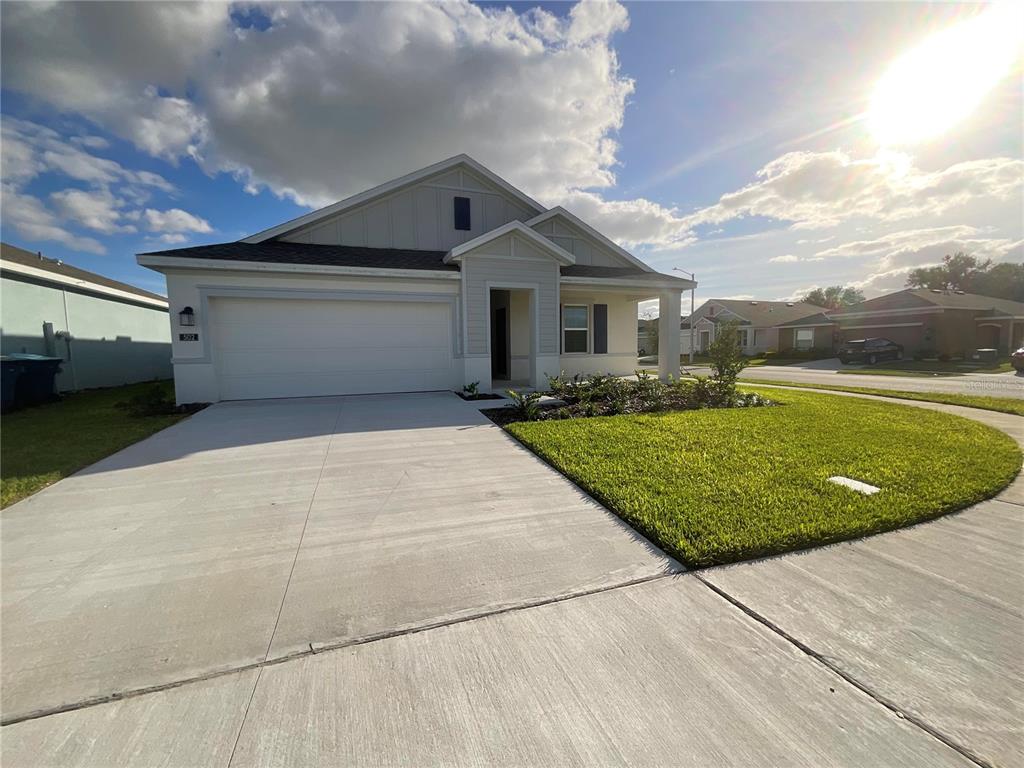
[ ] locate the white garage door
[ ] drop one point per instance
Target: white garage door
(309, 348)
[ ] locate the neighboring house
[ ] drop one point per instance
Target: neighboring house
(763, 325)
(943, 322)
(444, 277)
(108, 333)
(647, 336)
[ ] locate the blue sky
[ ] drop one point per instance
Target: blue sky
(724, 138)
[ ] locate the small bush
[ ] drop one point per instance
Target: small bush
(472, 389)
(150, 402)
(525, 405)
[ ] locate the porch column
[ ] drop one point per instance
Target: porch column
(669, 317)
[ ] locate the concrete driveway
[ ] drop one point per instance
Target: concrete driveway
(468, 606)
(258, 530)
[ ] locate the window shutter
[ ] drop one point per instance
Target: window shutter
(462, 213)
(600, 329)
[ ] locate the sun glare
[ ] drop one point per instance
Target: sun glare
(933, 87)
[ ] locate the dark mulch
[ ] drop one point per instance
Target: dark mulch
(481, 396)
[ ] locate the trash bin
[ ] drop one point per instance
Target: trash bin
(11, 371)
(986, 355)
(28, 379)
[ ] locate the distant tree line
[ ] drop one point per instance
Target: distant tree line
(961, 272)
(834, 297)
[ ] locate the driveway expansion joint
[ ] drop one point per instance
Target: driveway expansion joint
(826, 662)
(319, 649)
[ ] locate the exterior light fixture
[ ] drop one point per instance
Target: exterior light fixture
(187, 317)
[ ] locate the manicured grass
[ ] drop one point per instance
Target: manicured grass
(42, 444)
(716, 486)
(984, 402)
(927, 368)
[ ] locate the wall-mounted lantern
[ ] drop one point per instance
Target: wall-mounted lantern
(187, 317)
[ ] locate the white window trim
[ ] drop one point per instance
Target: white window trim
(588, 329)
(796, 337)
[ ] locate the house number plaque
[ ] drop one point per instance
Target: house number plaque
(188, 337)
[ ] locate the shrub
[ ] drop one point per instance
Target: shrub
(472, 389)
(727, 360)
(152, 401)
(525, 405)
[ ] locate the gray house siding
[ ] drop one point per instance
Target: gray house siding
(481, 270)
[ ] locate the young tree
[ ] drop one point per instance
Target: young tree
(834, 297)
(727, 360)
(957, 272)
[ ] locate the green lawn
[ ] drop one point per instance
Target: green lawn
(1001, 404)
(717, 486)
(927, 368)
(42, 444)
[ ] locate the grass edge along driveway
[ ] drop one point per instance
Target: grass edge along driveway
(719, 486)
(1011, 405)
(46, 443)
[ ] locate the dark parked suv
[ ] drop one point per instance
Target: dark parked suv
(870, 351)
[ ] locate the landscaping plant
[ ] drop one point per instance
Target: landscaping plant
(525, 405)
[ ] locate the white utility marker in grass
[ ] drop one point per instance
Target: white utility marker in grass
(855, 485)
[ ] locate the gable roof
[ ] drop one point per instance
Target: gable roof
(918, 298)
(818, 318)
(281, 252)
(556, 252)
(392, 186)
(580, 224)
(767, 313)
(12, 257)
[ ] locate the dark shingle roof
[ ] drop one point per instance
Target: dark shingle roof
(279, 252)
(766, 313)
(28, 259)
(276, 251)
(912, 298)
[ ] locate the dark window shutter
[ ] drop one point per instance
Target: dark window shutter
(462, 213)
(600, 329)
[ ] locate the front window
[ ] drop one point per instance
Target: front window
(804, 338)
(575, 327)
(744, 339)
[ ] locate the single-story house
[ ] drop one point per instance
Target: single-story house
(763, 325)
(934, 321)
(443, 277)
(107, 332)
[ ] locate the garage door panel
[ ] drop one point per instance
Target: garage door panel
(295, 335)
(301, 361)
(311, 347)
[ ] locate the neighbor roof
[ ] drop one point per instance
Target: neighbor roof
(912, 298)
(768, 313)
(71, 275)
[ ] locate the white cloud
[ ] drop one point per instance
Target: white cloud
(629, 222)
(174, 220)
(335, 98)
(98, 210)
(33, 220)
(31, 150)
(789, 258)
(823, 189)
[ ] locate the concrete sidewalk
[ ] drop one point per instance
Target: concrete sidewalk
(899, 649)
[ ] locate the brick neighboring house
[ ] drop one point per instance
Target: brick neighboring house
(944, 322)
(763, 325)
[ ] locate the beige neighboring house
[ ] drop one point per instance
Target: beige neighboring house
(444, 277)
(763, 325)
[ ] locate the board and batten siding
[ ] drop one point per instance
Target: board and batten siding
(493, 265)
(419, 217)
(585, 248)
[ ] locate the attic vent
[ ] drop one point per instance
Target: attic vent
(936, 290)
(753, 303)
(959, 293)
(789, 303)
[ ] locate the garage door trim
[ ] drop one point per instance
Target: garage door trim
(207, 292)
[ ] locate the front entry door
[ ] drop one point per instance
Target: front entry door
(705, 341)
(499, 343)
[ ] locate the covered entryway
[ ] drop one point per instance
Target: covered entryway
(265, 348)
